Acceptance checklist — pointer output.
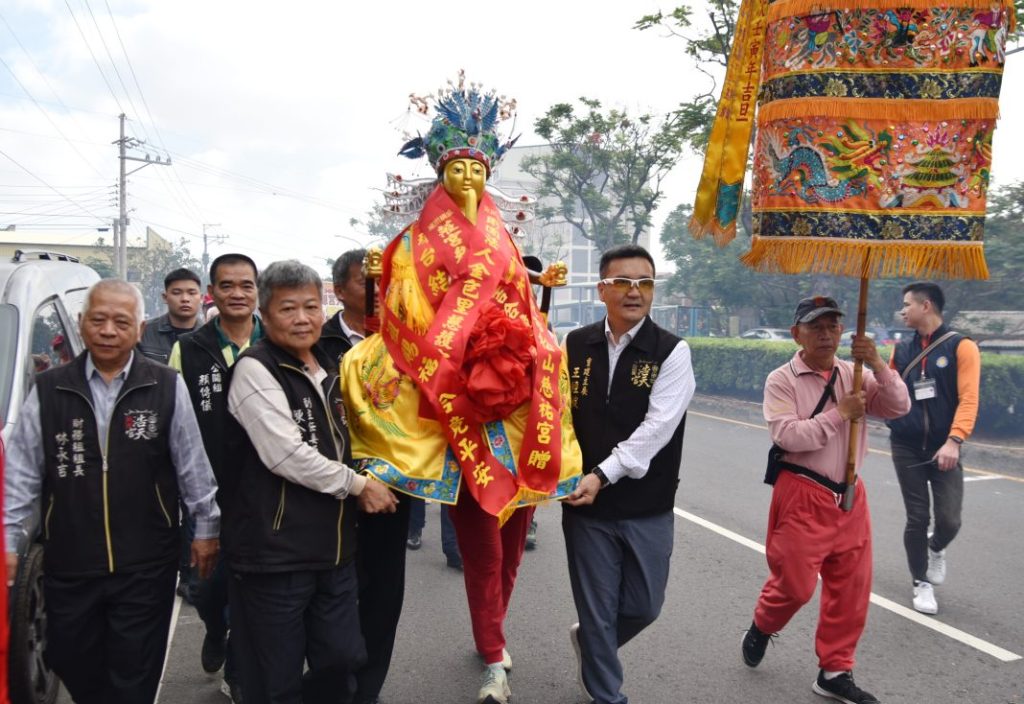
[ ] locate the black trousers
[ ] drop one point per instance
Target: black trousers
(106, 636)
(211, 601)
(381, 565)
(916, 473)
(283, 620)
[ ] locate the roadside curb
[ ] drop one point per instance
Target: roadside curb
(977, 454)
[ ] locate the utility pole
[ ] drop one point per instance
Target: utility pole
(217, 239)
(121, 224)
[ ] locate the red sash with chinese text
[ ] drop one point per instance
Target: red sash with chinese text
(468, 271)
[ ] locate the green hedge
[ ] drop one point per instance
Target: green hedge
(731, 367)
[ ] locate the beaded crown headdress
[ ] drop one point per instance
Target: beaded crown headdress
(465, 125)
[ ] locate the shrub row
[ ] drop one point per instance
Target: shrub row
(731, 367)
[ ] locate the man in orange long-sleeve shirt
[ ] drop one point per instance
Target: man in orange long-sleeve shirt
(943, 386)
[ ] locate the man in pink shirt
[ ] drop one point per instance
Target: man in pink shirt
(809, 404)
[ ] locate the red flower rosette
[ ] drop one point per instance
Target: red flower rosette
(498, 365)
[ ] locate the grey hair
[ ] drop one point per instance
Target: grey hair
(118, 286)
(290, 273)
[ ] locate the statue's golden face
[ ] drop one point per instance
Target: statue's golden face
(462, 177)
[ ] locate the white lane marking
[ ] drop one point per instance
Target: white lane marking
(170, 639)
(926, 621)
(981, 472)
(983, 478)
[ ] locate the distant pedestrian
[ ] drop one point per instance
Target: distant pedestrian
(380, 558)
(205, 359)
(632, 382)
(184, 299)
(942, 371)
(809, 404)
(348, 326)
(105, 443)
(418, 521)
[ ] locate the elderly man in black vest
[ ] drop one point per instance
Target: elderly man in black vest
(289, 521)
(631, 383)
(107, 441)
(205, 358)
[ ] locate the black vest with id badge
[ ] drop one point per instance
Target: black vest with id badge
(930, 373)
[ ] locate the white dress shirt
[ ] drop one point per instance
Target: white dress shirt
(259, 404)
(670, 396)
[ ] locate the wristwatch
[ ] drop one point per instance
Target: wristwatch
(599, 473)
(957, 440)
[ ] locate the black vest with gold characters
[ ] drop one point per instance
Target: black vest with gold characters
(271, 524)
(110, 504)
(604, 418)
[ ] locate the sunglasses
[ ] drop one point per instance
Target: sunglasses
(623, 284)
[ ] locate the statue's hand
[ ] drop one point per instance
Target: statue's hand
(555, 275)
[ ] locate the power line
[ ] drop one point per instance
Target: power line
(61, 104)
(149, 114)
(52, 90)
(47, 116)
(113, 64)
(264, 186)
(93, 55)
(41, 180)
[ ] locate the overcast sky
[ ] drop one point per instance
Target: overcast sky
(282, 119)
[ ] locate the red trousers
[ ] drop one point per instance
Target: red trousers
(490, 560)
(808, 535)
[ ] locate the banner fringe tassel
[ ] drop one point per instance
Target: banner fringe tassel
(919, 260)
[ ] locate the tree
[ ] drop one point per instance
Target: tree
(705, 45)
(102, 265)
(716, 278)
(374, 227)
(605, 169)
(149, 266)
(1004, 252)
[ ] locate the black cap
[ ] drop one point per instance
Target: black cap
(812, 308)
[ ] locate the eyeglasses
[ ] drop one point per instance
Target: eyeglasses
(623, 284)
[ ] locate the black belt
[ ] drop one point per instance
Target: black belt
(834, 487)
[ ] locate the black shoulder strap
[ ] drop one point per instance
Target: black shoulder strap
(924, 353)
(828, 392)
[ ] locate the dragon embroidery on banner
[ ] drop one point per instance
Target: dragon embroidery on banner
(836, 168)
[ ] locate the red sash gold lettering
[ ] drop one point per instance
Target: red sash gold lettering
(462, 268)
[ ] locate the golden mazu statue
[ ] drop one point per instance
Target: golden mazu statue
(464, 384)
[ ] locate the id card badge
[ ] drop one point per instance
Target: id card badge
(924, 389)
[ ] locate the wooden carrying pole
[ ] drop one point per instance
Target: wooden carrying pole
(858, 373)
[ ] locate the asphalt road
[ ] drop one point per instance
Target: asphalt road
(969, 653)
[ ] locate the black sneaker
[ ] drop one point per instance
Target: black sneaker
(213, 652)
(531, 536)
(184, 592)
(232, 690)
(842, 689)
(755, 641)
(414, 542)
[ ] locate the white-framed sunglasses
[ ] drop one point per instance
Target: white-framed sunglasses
(623, 284)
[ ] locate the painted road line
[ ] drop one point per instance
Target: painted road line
(909, 614)
(170, 639)
(971, 470)
(982, 478)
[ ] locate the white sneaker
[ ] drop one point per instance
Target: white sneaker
(574, 638)
(924, 598)
(506, 660)
(495, 688)
(936, 566)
